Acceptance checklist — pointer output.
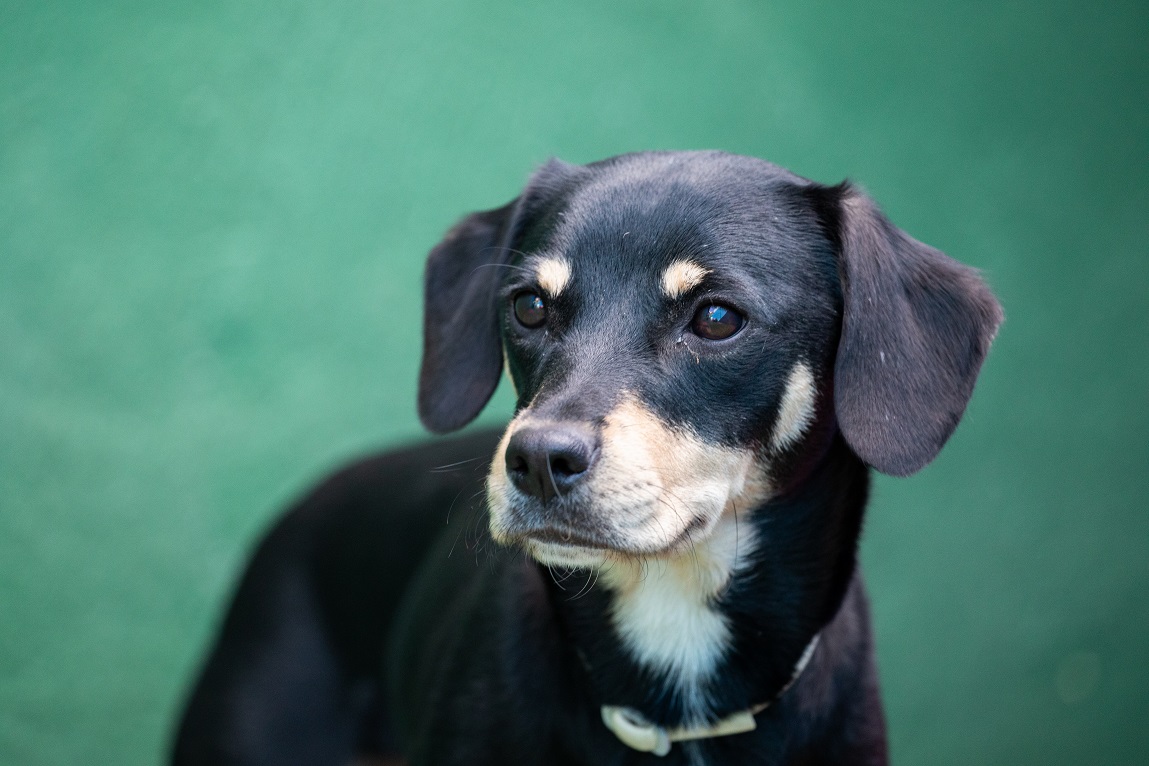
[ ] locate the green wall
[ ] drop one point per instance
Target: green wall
(212, 221)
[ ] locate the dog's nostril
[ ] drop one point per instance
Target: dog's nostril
(567, 465)
(516, 463)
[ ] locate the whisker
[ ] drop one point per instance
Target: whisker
(505, 249)
(451, 507)
(588, 585)
(451, 466)
(500, 266)
(557, 580)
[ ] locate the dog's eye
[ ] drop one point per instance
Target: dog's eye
(530, 310)
(716, 322)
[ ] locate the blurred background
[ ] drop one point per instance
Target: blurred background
(213, 218)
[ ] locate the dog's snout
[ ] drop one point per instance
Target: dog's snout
(545, 461)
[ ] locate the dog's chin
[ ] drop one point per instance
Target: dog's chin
(565, 555)
(585, 554)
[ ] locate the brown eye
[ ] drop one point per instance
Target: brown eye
(716, 322)
(530, 310)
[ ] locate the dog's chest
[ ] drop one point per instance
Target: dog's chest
(665, 615)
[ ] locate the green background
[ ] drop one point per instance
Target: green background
(212, 223)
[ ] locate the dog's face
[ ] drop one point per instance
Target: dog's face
(673, 325)
(665, 339)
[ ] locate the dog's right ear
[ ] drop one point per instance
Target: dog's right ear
(462, 353)
(462, 350)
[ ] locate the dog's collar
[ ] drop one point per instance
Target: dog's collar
(636, 732)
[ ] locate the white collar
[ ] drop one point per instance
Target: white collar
(636, 732)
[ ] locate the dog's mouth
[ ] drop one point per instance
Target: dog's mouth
(565, 537)
(572, 548)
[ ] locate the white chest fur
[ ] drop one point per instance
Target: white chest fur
(665, 615)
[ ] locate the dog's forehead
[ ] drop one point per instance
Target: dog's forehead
(671, 219)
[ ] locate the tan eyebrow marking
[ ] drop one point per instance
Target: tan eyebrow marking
(681, 276)
(552, 274)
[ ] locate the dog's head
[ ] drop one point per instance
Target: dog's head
(686, 333)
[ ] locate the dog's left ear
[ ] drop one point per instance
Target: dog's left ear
(916, 327)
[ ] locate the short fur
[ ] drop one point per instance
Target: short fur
(667, 522)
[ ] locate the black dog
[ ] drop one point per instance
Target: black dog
(708, 353)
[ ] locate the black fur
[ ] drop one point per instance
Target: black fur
(378, 616)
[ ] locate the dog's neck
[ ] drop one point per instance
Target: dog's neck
(690, 639)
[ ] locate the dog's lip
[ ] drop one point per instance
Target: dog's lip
(569, 538)
(564, 539)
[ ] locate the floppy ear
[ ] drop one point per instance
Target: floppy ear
(462, 350)
(916, 327)
(462, 353)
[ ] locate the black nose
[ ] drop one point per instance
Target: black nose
(545, 461)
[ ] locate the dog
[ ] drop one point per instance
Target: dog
(655, 562)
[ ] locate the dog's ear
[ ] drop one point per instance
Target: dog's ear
(916, 327)
(462, 353)
(462, 350)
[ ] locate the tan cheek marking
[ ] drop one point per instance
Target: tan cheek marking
(660, 480)
(552, 274)
(498, 485)
(797, 409)
(510, 377)
(682, 276)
